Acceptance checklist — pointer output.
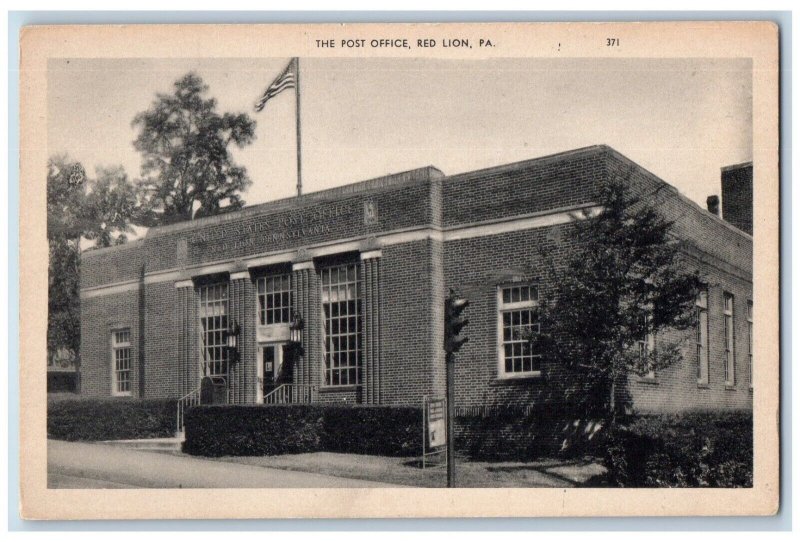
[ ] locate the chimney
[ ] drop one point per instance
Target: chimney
(712, 202)
(737, 196)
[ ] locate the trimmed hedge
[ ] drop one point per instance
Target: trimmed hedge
(692, 449)
(110, 419)
(524, 434)
(242, 430)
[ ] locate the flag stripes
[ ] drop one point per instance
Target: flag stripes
(287, 79)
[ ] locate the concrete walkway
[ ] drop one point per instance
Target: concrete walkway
(95, 465)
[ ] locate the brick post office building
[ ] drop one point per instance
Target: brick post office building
(366, 268)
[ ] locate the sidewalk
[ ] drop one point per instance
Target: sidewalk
(406, 471)
(94, 465)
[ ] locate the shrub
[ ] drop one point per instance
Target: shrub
(109, 418)
(524, 434)
(373, 430)
(693, 449)
(215, 431)
(220, 430)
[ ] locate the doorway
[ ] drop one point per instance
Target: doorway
(270, 363)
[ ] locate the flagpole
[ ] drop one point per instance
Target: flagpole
(297, 115)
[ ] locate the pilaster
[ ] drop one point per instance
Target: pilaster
(306, 297)
(242, 310)
(371, 332)
(187, 350)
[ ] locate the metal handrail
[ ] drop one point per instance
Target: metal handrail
(289, 394)
(190, 399)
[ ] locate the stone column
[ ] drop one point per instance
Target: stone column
(187, 350)
(242, 310)
(306, 303)
(371, 326)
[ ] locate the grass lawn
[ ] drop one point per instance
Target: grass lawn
(406, 471)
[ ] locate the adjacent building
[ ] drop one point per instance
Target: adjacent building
(338, 295)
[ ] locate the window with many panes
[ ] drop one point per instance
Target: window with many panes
(701, 336)
(213, 314)
(730, 377)
(274, 299)
(341, 305)
(121, 362)
(517, 322)
(750, 340)
(646, 346)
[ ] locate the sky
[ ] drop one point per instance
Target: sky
(682, 119)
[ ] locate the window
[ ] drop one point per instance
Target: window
(750, 340)
(647, 346)
(274, 299)
(517, 321)
(701, 336)
(121, 362)
(341, 305)
(213, 313)
(730, 377)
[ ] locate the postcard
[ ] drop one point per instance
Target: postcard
(399, 270)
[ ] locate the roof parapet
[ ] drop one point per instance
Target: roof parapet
(413, 176)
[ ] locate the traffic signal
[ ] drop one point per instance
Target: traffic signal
(454, 322)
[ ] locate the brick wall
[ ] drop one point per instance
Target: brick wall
(724, 258)
(676, 388)
(522, 188)
(162, 367)
(309, 222)
(692, 223)
(476, 267)
(412, 351)
(737, 196)
(99, 317)
(413, 278)
(111, 265)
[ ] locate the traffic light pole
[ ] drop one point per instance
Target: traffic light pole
(451, 463)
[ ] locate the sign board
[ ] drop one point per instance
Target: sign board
(273, 333)
(437, 430)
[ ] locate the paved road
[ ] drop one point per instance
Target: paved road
(92, 465)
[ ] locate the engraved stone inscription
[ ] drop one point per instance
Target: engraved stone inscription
(303, 223)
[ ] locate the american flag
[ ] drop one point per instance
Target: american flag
(286, 79)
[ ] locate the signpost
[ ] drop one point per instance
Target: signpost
(438, 426)
(437, 432)
(434, 432)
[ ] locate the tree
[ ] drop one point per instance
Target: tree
(110, 207)
(624, 282)
(79, 209)
(66, 182)
(187, 170)
(63, 303)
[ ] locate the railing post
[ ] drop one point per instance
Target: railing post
(287, 394)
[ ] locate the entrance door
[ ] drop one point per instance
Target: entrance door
(270, 359)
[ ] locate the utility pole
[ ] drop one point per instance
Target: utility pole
(453, 324)
(451, 466)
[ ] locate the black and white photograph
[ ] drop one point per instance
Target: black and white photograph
(442, 267)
